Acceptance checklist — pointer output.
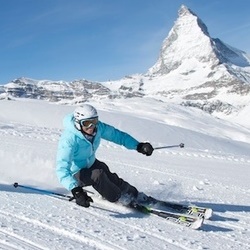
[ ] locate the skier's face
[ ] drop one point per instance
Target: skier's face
(89, 130)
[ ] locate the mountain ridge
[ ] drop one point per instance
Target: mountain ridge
(192, 69)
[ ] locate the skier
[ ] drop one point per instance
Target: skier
(77, 166)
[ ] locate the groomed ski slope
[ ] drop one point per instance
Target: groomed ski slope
(206, 172)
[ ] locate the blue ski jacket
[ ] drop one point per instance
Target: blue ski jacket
(75, 152)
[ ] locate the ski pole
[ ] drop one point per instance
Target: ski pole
(46, 191)
(181, 145)
(43, 191)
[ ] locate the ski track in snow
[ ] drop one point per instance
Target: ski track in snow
(62, 225)
(86, 237)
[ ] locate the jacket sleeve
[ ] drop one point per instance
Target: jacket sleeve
(63, 162)
(117, 136)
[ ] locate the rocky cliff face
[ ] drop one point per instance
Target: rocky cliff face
(56, 90)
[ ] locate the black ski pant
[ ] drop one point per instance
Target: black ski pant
(108, 184)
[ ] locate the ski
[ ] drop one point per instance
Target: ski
(181, 219)
(180, 214)
(196, 211)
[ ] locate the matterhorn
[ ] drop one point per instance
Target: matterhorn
(199, 70)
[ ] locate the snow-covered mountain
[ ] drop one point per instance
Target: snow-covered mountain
(188, 41)
(200, 69)
(193, 69)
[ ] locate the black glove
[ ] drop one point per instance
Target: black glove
(145, 148)
(82, 199)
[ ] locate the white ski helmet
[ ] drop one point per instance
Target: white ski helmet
(84, 112)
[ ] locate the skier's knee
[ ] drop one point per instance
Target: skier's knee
(96, 175)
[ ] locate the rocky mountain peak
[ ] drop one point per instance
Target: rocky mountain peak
(185, 11)
(188, 39)
(202, 71)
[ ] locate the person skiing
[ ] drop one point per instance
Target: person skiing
(76, 163)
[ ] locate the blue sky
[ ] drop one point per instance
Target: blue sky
(102, 39)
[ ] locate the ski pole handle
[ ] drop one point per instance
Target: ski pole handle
(181, 145)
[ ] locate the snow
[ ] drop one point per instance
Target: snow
(212, 170)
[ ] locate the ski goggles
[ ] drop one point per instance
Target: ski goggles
(89, 123)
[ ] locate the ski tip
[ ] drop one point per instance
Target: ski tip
(208, 213)
(197, 224)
